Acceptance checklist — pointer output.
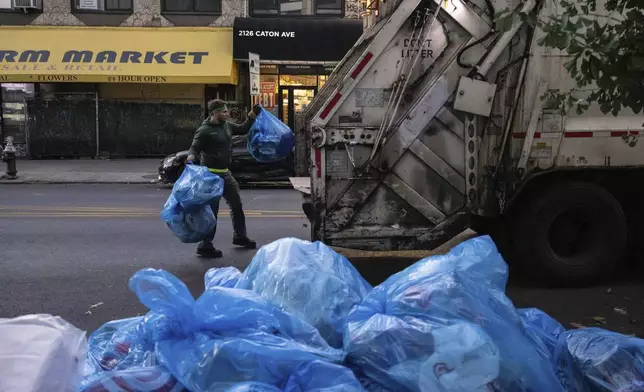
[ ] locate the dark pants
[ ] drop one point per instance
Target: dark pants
(233, 199)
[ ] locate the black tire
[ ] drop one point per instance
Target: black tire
(570, 234)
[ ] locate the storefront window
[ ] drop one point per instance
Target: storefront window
(321, 80)
(268, 93)
(302, 98)
(298, 80)
(13, 112)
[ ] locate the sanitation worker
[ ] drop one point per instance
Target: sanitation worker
(212, 143)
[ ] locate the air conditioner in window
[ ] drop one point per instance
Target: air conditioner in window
(27, 4)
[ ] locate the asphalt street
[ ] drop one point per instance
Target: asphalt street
(69, 250)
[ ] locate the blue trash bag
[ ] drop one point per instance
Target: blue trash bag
(144, 377)
(543, 329)
(269, 139)
(252, 386)
(445, 324)
(187, 210)
(308, 280)
(227, 336)
(116, 345)
(221, 277)
(189, 227)
(319, 376)
(196, 187)
(596, 360)
(315, 376)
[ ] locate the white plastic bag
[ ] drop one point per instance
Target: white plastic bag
(40, 352)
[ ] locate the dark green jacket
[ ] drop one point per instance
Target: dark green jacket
(212, 143)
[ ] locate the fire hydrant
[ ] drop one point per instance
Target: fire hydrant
(9, 157)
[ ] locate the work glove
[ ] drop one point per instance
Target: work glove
(255, 111)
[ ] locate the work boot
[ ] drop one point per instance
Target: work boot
(244, 242)
(209, 252)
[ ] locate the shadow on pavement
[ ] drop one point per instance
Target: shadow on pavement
(617, 304)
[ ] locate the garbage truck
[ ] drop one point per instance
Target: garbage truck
(435, 121)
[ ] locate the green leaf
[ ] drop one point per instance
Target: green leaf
(637, 107)
(574, 47)
(637, 63)
(571, 64)
(505, 23)
(595, 66)
(605, 108)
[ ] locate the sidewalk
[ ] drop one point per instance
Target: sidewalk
(85, 171)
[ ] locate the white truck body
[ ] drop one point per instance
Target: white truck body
(406, 143)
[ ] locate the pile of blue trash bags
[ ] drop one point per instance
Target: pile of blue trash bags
(300, 318)
(269, 139)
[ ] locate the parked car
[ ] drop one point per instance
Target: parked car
(244, 167)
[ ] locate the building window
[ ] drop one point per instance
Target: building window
(329, 7)
(297, 7)
(192, 6)
(20, 5)
(277, 7)
(103, 5)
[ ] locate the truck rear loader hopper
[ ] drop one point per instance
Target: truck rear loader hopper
(435, 122)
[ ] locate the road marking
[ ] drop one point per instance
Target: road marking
(121, 210)
(34, 216)
(127, 215)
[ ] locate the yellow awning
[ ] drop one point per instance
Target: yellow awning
(47, 54)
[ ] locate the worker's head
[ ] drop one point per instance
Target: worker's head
(218, 110)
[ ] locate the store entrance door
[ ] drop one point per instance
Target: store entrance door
(293, 100)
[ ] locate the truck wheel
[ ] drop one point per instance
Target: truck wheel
(570, 234)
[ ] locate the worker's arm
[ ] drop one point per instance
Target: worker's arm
(242, 129)
(196, 147)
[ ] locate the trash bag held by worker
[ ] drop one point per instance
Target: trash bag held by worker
(543, 329)
(187, 210)
(308, 280)
(221, 277)
(596, 360)
(197, 187)
(445, 324)
(227, 336)
(40, 352)
(190, 227)
(269, 139)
